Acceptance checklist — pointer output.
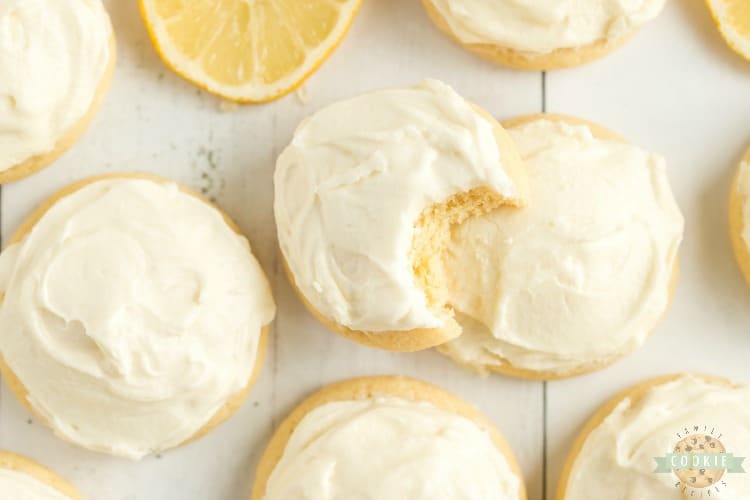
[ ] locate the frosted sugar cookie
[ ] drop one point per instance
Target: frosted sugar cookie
(383, 438)
(365, 196)
(134, 315)
(579, 277)
(24, 479)
(541, 35)
(56, 63)
(669, 438)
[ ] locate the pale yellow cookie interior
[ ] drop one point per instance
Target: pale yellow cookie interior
(232, 404)
(432, 230)
(368, 387)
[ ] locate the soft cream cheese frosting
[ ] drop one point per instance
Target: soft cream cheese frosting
(385, 448)
(580, 275)
(542, 26)
(53, 55)
(743, 187)
(19, 486)
(131, 313)
(352, 184)
(619, 454)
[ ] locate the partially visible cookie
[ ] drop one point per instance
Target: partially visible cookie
(579, 277)
(656, 440)
(383, 438)
(52, 85)
(541, 35)
(22, 478)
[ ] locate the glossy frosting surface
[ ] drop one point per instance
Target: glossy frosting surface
(541, 26)
(131, 313)
(351, 186)
(618, 456)
(388, 448)
(580, 275)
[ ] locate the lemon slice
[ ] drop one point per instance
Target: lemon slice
(247, 50)
(733, 19)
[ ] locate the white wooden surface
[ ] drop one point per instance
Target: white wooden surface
(675, 88)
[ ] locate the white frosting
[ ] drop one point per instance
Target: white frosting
(53, 55)
(743, 187)
(541, 26)
(352, 184)
(388, 448)
(19, 486)
(579, 275)
(618, 456)
(132, 312)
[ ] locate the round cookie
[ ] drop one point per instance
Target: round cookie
(599, 132)
(636, 395)
(507, 367)
(231, 405)
(17, 463)
(69, 137)
(365, 388)
(429, 228)
(559, 58)
(738, 199)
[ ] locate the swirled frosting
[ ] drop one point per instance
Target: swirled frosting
(53, 55)
(387, 448)
(351, 186)
(19, 486)
(541, 26)
(131, 313)
(579, 276)
(618, 455)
